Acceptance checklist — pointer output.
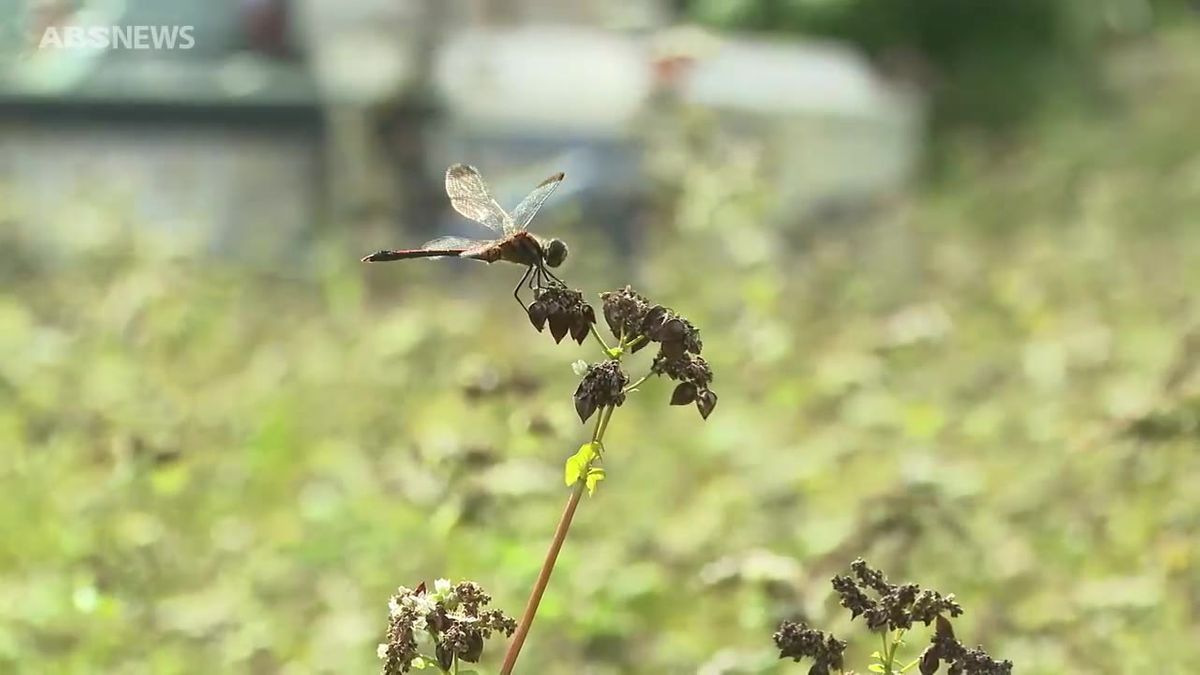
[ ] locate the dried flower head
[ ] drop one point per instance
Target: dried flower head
(945, 648)
(676, 335)
(603, 385)
(693, 374)
(564, 309)
(625, 312)
(797, 641)
(898, 606)
(452, 617)
(630, 315)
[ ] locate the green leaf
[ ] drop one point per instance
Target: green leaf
(578, 463)
(875, 668)
(594, 476)
(876, 655)
(572, 470)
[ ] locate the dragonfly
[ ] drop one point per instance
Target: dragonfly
(470, 196)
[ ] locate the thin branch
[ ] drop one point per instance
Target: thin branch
(636, 383)
(604, 345)
(539, 587)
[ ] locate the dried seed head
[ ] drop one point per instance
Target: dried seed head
(675, 334)
(625, 311)
(852, 597)
(603, 385)
(694, 375)
(797, 641)
(452, 616)
(564, 309)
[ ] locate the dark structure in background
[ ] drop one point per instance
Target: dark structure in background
(289, 114)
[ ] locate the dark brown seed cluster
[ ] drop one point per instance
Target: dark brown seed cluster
(640, 322)
(565, 311)
(630, 315)
(603, 385)
(945, 648)
(625, 312)
(898, 606)
(797, 641)
(675, 335)
(694, 375)
(454, 618)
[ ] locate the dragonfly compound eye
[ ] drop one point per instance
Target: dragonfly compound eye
(556, 252)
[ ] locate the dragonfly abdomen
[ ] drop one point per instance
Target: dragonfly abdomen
(407, 254)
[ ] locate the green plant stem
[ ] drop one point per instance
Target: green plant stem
(909, 666)
(596, 429)
(606, 415)
(560, 536)
(599, 338)
(889, 650)
(636, 383)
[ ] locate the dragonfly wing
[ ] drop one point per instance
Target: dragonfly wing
(469, 196)
(450, 243)
(528, 208)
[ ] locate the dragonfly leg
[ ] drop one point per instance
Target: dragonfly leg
(547, 273)
(517, 289)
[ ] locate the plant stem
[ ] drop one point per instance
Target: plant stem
(636, 341)
(539, 587)
(560, 536)
(636, 383)
(596, 430)
(606, 415)
(599, 338)
(889, 650)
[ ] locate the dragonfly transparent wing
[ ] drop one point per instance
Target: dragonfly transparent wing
(469, 196)
(529, 206)
(459, 246)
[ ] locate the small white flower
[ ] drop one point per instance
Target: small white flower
(394, 607)
(580, 368)
(381, 651)
(423, 604)
(442, 586)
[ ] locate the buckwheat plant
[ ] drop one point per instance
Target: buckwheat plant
(635, 323)
(450, 620)
(891, 611)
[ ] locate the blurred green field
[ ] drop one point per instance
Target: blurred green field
(989, 388)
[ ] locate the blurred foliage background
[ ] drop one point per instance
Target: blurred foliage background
(987, 384)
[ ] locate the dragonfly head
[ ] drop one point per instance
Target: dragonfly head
(555, 252)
